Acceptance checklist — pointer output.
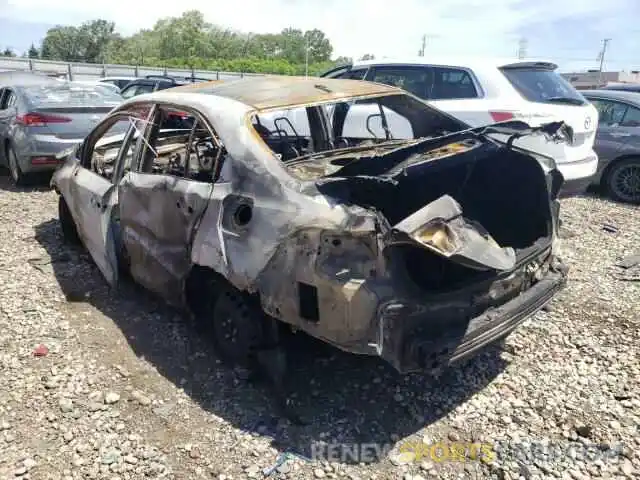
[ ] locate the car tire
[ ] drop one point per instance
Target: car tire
(238, 327)
(622, 181)
(18, 177)
(67, 224)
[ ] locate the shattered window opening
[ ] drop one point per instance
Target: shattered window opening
(351, 127)
(107, 148)
(181, 145)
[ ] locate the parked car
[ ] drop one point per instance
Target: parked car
(96, 83)
(482, 91)
(419, 250)
(119, 82)
(618, 143)
(152, 83)
(40, 117)
(623, 87)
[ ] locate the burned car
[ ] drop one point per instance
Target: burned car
(348, 210)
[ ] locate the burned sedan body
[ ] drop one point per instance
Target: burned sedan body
(349, 210)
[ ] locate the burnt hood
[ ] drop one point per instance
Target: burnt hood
(441, 228)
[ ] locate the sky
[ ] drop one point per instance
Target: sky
(569, 32)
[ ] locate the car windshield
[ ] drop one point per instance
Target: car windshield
(543, 86)
(71, 94)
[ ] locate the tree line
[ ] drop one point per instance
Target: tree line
(189, 41)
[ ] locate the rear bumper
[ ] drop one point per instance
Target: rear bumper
(578, 175)
(41, 146)
(416, 343)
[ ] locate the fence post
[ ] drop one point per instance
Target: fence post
(104, 70)
(136, 71)
(241, 74)
(69, 73)
(165, 71)
(217, 75)
(30, 65)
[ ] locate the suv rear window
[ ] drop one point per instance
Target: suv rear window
(543, 86)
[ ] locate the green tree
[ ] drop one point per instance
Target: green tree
(94, 38)
(33, 52)
(8, 52)
(190, 41)
(343, 61)
(368, 56)
(62, 43)
(320, 48)
(87, 43)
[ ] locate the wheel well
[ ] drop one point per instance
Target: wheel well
(613, 163)
(202, 286)
(199, 285)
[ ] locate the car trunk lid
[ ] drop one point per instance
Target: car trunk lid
(440, 227)
(67, 110)
(67, 123)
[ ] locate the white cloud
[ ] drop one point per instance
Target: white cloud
(355, 27)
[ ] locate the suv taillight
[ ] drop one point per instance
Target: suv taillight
(501, 116)
(40, 119)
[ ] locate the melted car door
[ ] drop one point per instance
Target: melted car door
(163, 198)
(91, 201)
(158, 215)
(91, 197)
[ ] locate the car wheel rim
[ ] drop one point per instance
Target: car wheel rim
(626, 183)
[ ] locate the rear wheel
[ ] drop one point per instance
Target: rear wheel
(622, 182)
(238, 327)
(17, 176)
(67, 224)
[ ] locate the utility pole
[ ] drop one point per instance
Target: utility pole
(306, 57)
(522, 48)
(424, 46)
(605, 44)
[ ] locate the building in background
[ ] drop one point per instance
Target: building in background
(594, 78)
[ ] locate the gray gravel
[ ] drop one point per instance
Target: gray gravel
(115, 385)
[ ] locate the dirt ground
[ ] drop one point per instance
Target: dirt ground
(115, 385)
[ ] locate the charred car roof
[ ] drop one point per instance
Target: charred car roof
(264, 93)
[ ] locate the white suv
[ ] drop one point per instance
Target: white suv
(482, 91)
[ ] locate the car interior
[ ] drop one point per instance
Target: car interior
(179, 144)
(291, 133)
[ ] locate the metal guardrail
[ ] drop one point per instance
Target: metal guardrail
(92, 71)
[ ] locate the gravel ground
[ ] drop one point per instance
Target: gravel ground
(113, 386)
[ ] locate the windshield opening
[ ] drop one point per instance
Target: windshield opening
(348, 125)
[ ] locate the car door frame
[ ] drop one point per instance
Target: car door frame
(92, 198)
(159, 214)
(610, 139)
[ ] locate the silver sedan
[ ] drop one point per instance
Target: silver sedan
(41, 117)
